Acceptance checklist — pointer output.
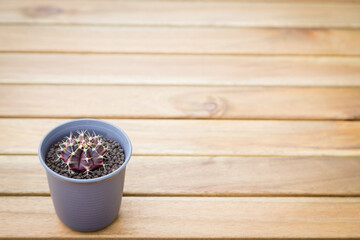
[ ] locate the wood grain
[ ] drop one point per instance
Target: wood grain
(192, 40)
(207, 176)
(184, 13)
(206, 137)
(149, 218)
(180, 102)
(179, 70)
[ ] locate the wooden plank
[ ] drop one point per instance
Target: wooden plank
(184, 13)
(207, 176)
(179, 70)
(179, 102)
(151, 217)
(165, 40)
(206, 137)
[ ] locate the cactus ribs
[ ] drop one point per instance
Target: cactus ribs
(85, 156)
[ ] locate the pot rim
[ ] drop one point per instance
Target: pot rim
(93, 180)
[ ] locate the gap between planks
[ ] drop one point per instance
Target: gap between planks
(183, 118)
(175, 54)
(293, 55)
(174, 195)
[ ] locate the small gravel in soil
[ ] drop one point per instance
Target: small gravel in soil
(113, 159)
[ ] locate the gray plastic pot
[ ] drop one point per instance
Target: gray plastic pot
(86, 204)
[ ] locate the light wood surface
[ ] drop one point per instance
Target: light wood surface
(180, 102)
(244, 115)
(202, 217)
(207, 176)
(111, 69)
(320, 13)
(206, 137)
(191, 40)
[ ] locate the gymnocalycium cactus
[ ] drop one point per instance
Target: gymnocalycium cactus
(83, 152)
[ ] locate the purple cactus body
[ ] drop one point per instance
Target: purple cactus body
(83, 152)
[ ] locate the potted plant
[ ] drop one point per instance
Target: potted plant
(85, 162)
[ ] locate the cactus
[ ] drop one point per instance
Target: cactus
(84, 152)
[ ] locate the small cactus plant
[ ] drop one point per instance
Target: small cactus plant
(84, 152)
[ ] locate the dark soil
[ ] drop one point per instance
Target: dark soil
(113, 159)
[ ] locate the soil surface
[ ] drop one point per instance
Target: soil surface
(113, 159)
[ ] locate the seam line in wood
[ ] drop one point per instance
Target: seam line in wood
(284, 195)
(4, 83)
(209, 155)
(174, 25)
(185, 53)
(189, 118)
(278, 55)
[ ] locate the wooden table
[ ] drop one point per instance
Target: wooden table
(243, 114)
